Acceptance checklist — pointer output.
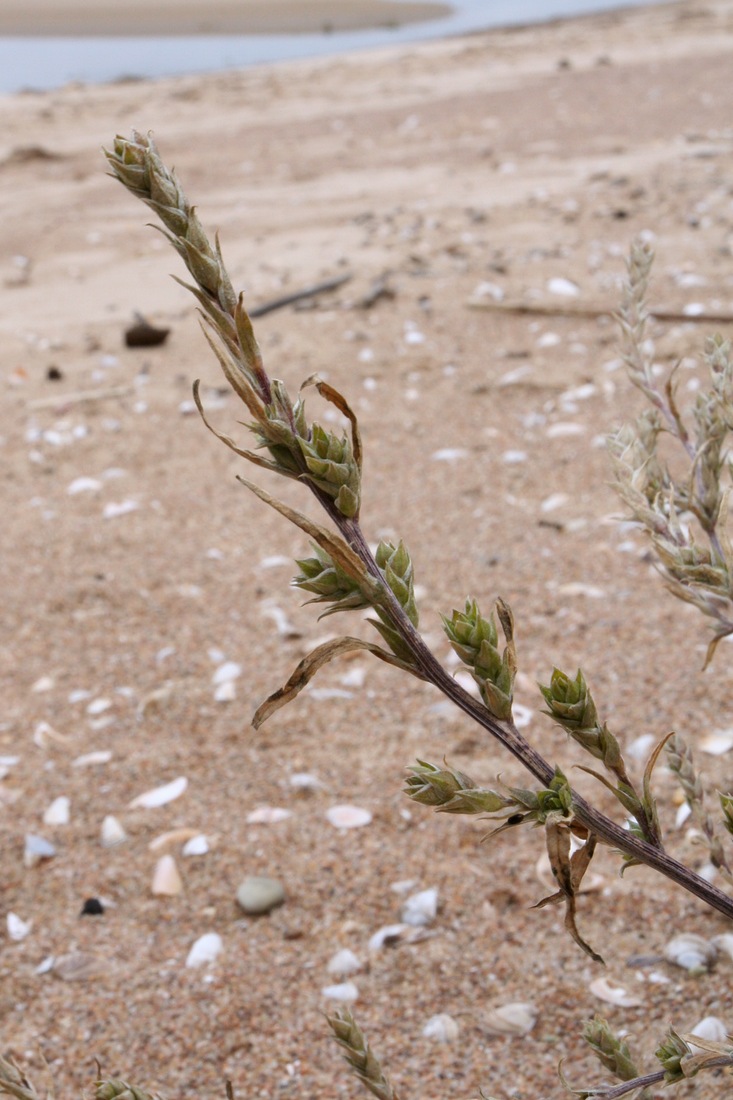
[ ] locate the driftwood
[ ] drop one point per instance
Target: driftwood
(299, 295)
(546, 309)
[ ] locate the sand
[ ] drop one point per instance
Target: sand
(171, 17)
(510, 159)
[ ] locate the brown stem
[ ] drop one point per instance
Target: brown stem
(510, 737)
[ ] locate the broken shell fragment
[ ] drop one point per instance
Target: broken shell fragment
(112, 832)
(516, 1018)
(17, 929)
(160, 796)
(58, 812)
(344, 963)
(205, 949)
(345, 992)
(167, 881)
(443, 1028)
(613, 993)
(691, 952)
(348, 817)
(37, 848)
(421, 908)
(268, 815)
(710, 1028)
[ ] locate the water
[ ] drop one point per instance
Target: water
(45, 63)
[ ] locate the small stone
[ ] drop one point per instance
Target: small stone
(205, 949)
(348, 817)
(421, 909)
(259, 894)
(92, 907)
(17, 929)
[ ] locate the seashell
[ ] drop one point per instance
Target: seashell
(717, 743)
(577, 588)
(112, 832)
(167, 881)
(79, 967)
(155, 701)
(710, 1028)
(44, 733)
(58, 812)
(98, 706)
(173, 836)
(513, 458)
(84, 485)
(37, 848)
(421, 908)
(268, 815)
(682, 815)
(43, 683)
(160, 796)
(345, 992)
(565, 288)
(275, 560)
(449, 454)
(640, 747)
(46, 965)
(724, 943)
(226, 692)
(304, 781)
(101, 756)
(197, 846)
(553, 502)
(613, 993)
(390, 935)
(17, 929)
(691, 952)
(229, 670)
(9, 761)
(443, 1028)
(348, 817)
(344, 963)
(518, 374)
(282, 623)
(548, 340)
(205, 949)
(119, 508)
(329, 693)
(563, 429)
(355, 677)
(521, 715)
(516, 1018)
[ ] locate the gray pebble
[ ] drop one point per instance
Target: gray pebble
(259, 894)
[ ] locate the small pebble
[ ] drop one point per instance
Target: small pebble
(348, 817)
(205, 949)
(92, 907)
(17, 929)
(58, 812)
(421, 909)
(344, 963)
(259, 894)
(37, 849)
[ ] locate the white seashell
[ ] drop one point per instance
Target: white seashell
(613, 993)
(640, 747)
(565, 288)
(355, 677)
(84, 485)
(548, 340)
(282, 623)
(724, 943)
(304, 781)
(98, 706)
(348, 817)
(101, 756)
(229, 670)
(682, 815)
(78, 967)
(513, 458)
(344, 963)
(516, 1018)
(388, 936)
(449, 454)
(112, 832)
(442, 1028)
(43, 683)
(58, 812)
(46, 965)
(563, 428)
(226, 692)
(710, 1028)
(329, 693)
(197, 846)
(268, 815)
(167, 881)
(172, 836)
(518, 374)
(160, 796)
(486, 290)
(17, 929)
(205, 949)
(554, 501)
(275, 560)
(421, 908)
(521, 715)
(37, 848)
(691, 952)
(121, 508)
(717, 743)
(577, 588)
(44, 733)
(9, 761)
(345, 992)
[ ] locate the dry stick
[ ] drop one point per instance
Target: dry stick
(510, 737)
(550, 310)
(299, 295)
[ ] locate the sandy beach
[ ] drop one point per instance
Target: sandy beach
(480, 194)
(171, 17)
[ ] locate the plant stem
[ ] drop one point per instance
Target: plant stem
(509, 736)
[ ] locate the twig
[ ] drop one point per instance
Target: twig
(299, 295)
(544, 309)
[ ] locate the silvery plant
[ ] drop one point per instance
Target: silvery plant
(685, 517)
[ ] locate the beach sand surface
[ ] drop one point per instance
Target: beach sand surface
(481, 193)
(172, 17)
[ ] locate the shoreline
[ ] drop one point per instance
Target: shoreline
(221, 17)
